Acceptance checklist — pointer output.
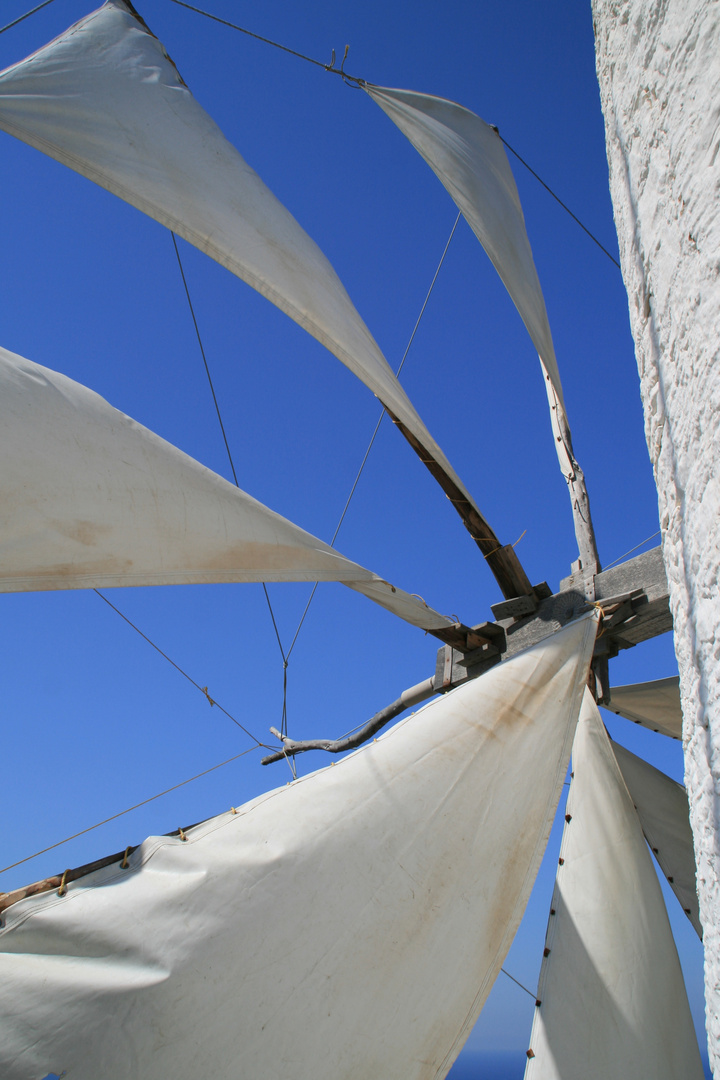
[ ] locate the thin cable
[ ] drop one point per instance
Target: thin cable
(25, 16)
(559, 200)
(202, 351)
(230, 459)
(259, 37)
(277, 632)
(642, 544)
(203, 690)
(377, 426)
(129, 810)
(353, 79)
(518, 983)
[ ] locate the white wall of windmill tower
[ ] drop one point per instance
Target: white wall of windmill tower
(658, 65)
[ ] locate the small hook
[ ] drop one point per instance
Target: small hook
(331, 65)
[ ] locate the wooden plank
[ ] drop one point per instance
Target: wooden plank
(515, 608)
(637, 590)
(501, 558)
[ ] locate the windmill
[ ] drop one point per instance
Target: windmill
(646, 585)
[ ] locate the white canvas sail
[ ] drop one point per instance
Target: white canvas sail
(662, 807)
(468, 157)
(105, 99)
(350, 924)
(655, 705)
(92, 499)
(611, 991)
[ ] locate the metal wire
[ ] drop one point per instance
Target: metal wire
(518, 983)
(25, 16)
(641, 544)
(203, 689)
(559, 200)
(362, 82)
(113, 817)
(377, 426)
(283, 722)
(258, 37)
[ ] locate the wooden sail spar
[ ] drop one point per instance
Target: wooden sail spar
(468, 157)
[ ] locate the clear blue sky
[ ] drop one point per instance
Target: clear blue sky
(93, 719)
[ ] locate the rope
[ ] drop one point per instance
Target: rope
(518, 983)
(276, 44)
(203, 689)
(559, 200)
(129, 809)
(346, 78)
(360, 82)
(642, 544)
(237, 485)
(377, 426)
(202, 351)
(25, 16)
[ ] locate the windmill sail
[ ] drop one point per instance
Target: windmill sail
(350, 924)
(612, 1001)
(92, 499)
(105, 99)
(655, 705)
(468, 157)
(662, 807)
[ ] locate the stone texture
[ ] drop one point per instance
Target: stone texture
(658, 64)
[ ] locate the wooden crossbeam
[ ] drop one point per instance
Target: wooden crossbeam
(635, 594)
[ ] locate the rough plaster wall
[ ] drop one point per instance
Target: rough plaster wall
(658, 65)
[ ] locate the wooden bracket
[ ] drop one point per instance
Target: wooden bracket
(634, 598)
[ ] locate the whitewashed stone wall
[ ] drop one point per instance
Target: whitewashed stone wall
(658, 64)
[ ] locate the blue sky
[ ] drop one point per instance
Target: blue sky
(93, 719)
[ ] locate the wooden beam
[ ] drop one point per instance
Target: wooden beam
(501, 558)
(635, 594)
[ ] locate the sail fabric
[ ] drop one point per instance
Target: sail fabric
(349, 924)
(662, 806)
(469, 159)
(105, 99)
(92, 499)
(611, 991)
(655, 705)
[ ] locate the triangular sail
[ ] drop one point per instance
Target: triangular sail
(350, 924)
(655, 705)
(105, 99)
(92, 499)
(468, 157)
(612, 1000)
(662, 806)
